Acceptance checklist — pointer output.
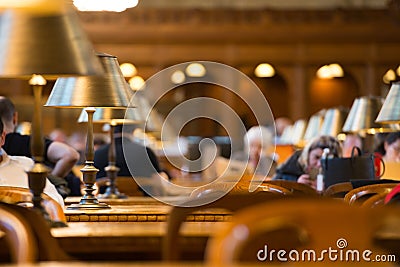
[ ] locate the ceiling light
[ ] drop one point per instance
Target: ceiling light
(195, 70)
(264, 70)
(136, 83)
(128, 69)
(105, 5)
(178, 77)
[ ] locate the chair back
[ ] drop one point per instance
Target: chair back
(338, 190)
(128, 186)
(47, 246)
(360, 194)
(23, 196)
(302, 227)
(294, 187)
(19, 236)
(230, 202)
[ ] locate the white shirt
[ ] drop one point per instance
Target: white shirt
(13, 173)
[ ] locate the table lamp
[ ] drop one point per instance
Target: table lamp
(114, 117)
(390, 111)
(314, 125)
(50, 44)
(333, 121)
(108, 91)
(361, 120)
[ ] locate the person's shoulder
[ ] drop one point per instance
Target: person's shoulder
(17, 137)
(22, 161)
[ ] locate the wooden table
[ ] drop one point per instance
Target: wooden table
(130, 240)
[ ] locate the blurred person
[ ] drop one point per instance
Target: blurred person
(352, 140)
(13, 171)
(280, 124)
(58, 156)
(142, 161)
(258, 151)
(58, 135)
(303, 165)
(389, 148)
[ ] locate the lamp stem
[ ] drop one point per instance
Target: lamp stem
(112, 170)
(38, 173)
(89, 171)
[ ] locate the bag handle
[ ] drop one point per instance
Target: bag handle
(354, 149)
(382, 163)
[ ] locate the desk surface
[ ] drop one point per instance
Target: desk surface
(130, 241)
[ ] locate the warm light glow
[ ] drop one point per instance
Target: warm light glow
(195, 70)
(398, 70)
(336, 70)
(128, 69)
(389, 76)
(37, 80)
(264, 70)
(36, 6)
(105, 5)
(136, 83)
(330, 71)
(178, 77)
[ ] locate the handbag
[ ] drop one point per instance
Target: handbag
(357, 167)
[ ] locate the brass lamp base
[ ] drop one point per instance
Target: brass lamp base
(37, 181)
(112, 189)
(89, 201)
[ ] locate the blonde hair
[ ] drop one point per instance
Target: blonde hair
(323, 141)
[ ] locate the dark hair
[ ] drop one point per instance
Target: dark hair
(389, 139)
(7, 109)
(392, 137)
(1, 126)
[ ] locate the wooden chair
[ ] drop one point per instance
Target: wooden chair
(18, 235)
(230, 202)
(236, 187)
(23, 196)
(338, 190)
(360, 194)
(128, 186)
(377, 200)
(46, 245)
(294, 187)
(301, 224)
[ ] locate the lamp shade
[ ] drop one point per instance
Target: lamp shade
(116, 116)
(108, 91)
(362, 115)
(333, 121)
(314, 125)
(390, 111)
(298, 130)
(50, 44)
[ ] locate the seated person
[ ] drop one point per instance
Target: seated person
(142, 161)
(304, 162)
(258, 144)
(58, 156)
(13, 171)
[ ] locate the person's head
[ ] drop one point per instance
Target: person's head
(392, 147)
(58, 135)
(312, 153)
(281, 123)
(258, 140)
(8, 114)
(351, 141)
